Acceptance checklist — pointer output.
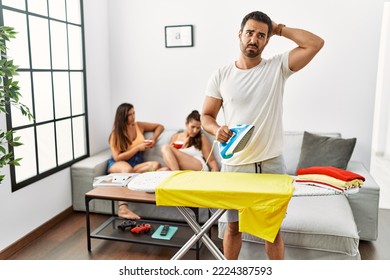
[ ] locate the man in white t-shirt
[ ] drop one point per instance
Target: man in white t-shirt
(250, 91)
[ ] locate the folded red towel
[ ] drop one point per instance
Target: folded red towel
(334, 172)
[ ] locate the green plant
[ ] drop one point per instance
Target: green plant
(9, 96)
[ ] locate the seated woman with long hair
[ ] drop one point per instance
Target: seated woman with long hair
(194, 148)
(127, 144)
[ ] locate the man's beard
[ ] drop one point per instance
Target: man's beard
(252, 53)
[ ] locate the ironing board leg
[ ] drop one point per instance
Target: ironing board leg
(200, 233)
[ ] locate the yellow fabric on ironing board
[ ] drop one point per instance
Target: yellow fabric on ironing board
(261, 199)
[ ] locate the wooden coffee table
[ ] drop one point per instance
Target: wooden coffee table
(109, 229)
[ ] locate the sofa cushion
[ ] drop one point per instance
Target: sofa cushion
(292, 148)
(155, 153)
(323, 223)
(317, 150)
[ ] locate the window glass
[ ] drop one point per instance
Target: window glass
(37, 7)
(61, 94)
(49, 51)
(18, 4)
(43, 96)
(39, 37)
(73, 11)
(59, 45)
(64, 141)
(75, 50)
(57, 9)
(28, 167)
(79, 137)
(18, 47)
(46, 147)
(77, 90)
(25, 90)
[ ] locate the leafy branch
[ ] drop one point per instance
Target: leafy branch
(9, 96)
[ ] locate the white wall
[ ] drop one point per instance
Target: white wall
(127, 62)
(334, 93)
(381, 135)
(30, 207)
(380, 155)
(96, 24)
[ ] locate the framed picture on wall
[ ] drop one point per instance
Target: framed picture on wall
(178, 36)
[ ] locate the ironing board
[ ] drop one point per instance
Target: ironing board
(259, 198)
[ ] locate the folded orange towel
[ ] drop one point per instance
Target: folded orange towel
(334, 172)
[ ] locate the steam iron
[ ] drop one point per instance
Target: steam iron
(241, 135)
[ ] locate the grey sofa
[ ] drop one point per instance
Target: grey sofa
(315, 227)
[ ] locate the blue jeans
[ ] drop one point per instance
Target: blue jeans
(136, 159)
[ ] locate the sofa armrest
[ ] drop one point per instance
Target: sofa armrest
(365, 203)
(83, 173)
(358, 167)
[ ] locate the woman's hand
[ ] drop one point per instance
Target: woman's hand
(151, 142)
(144, 146)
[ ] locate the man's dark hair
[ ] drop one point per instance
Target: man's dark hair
(258, 16)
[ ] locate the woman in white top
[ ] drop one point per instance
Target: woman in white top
(188, 150)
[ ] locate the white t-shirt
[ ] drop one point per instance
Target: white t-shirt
(253, 96)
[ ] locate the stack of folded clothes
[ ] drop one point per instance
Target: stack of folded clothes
(329, 177)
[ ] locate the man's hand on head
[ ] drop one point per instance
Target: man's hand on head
(274, 26)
